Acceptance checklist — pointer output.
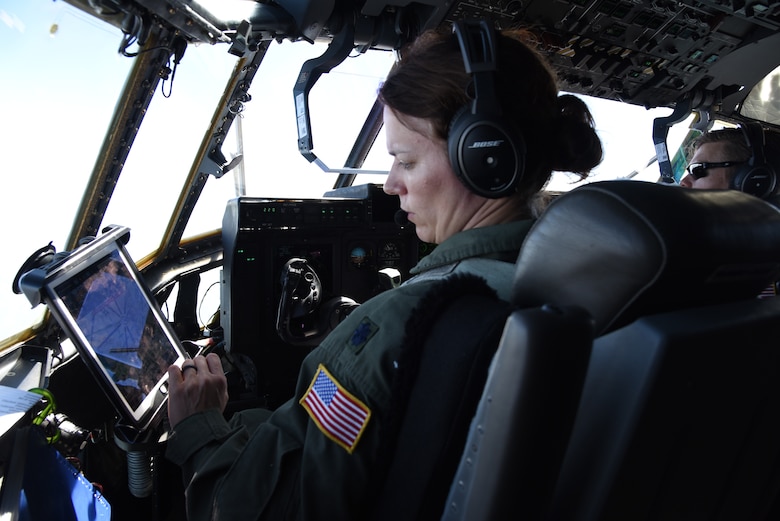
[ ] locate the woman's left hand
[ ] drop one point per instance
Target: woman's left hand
(198, 386)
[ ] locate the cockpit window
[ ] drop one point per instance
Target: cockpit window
(763, 102)
(62, 76)
(626, 134)
(266, 137)
(166, 146)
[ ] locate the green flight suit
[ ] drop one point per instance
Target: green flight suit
(284, 464)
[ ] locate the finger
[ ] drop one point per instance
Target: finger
(200, 363)
(214, 363)
(175, 378)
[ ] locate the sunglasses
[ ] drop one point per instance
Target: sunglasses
(699, 170)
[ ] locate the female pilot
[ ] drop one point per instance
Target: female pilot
(451, 134)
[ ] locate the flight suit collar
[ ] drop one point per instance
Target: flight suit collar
(500, 241)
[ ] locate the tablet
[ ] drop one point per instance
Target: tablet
(99, 298)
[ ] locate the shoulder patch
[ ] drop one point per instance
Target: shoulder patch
(362, 334)
(338, 414)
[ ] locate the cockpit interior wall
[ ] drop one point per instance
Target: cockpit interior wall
(293, 269)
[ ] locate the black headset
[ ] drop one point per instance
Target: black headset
(756, 177)
(487, 154)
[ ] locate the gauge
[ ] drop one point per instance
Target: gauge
(358, 257)
(389, 254)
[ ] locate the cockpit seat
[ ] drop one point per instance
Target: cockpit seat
(677, 416)
(625, 249)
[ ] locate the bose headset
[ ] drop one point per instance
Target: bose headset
(756, 177)
(487, 154)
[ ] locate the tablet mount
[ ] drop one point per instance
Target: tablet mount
(141, 442)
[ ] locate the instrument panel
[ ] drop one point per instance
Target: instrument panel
(293, 269)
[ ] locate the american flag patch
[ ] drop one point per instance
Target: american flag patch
(338, 414)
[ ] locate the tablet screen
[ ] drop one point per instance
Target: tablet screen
(109, 314)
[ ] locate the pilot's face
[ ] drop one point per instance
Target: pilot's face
(716, 178)
(437, 202)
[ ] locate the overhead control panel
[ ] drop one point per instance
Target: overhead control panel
(645, 53)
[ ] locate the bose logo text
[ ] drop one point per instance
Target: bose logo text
(486, 144)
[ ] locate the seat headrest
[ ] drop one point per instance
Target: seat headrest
(624, 249)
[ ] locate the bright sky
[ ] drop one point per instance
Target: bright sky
(47, 142)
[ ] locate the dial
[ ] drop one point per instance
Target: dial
(358, 257)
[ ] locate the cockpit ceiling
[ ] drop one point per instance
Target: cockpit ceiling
(650, 53)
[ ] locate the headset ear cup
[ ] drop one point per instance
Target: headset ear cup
(486, 155)
(756, 178)
(760, 181)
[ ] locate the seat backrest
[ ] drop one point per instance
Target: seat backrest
(448, 346)
(679, 386)
(521, 428)
(624, 249)
(448, 350)
(679, 419)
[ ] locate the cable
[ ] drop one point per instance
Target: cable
(200, 307)
(179, 46)
(49, 408)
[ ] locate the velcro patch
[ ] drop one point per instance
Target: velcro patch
(362, 334)
(338, 414)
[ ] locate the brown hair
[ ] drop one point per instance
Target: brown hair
(430, 82)
(733, 140)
